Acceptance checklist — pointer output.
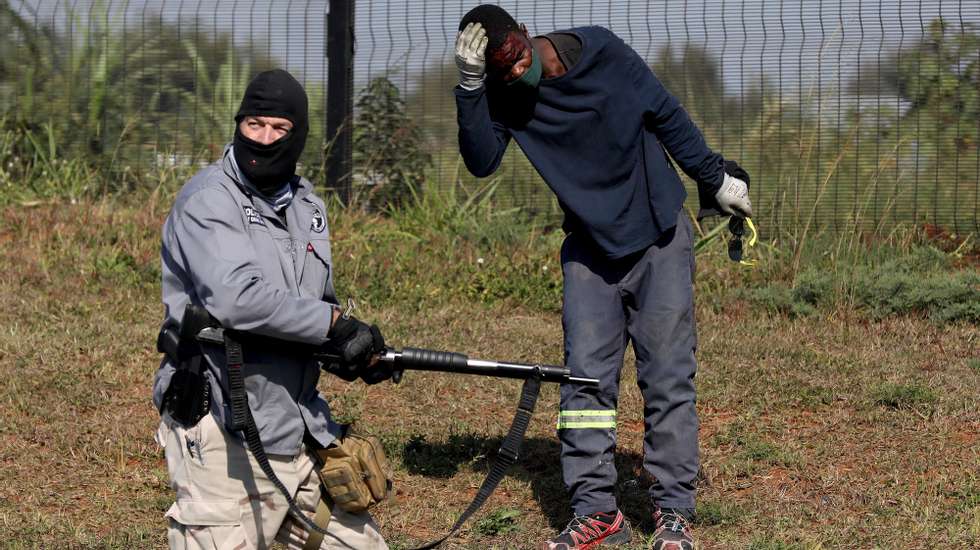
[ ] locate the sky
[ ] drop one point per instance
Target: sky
(799, 40)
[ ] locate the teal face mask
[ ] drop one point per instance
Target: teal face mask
(532, 76)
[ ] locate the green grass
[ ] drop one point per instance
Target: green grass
(717, 513)
(869, 414)
(903, 396)
(498, 522)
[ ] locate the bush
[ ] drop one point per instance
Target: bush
(921, 282)
(389, 151)
(780, 299)
(815, 288)
(944, 297)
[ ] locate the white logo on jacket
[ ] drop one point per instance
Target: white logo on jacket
(252, 216)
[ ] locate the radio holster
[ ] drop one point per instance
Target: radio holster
(188, 397)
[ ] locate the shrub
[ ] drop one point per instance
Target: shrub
(921, 282)
(944, 297)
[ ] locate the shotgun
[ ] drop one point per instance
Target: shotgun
(441, 361)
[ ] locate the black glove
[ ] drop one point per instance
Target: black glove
(350, 339)
(355, 344)
(381, 370)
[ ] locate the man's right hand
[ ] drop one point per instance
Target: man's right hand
(358, 346)
(352, 340)
(471, 47)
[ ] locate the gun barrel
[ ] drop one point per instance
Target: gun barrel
(447, 361)
(442, 361)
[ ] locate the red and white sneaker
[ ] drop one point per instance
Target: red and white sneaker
(673, 531)
(585, 532)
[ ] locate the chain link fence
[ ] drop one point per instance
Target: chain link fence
(845, 113)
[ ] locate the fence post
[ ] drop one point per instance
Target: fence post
(340, 96)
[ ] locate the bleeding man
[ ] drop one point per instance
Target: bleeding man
(601, 130)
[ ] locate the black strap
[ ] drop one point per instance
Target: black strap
(242, 420)
(509, 451)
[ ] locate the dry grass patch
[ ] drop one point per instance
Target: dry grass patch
(824, 430)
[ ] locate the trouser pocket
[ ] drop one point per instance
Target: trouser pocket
(207, 525)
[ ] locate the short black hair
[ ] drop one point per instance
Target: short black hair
(497, 22)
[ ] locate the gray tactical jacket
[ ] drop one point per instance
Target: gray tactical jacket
(227, 250)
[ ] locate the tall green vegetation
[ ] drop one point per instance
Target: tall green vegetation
(389, 153)
(126, 95)
(112, 97)
(938, 78)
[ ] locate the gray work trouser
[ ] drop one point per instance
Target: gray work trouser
(647, 299)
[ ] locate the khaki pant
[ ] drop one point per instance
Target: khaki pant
(224, 501)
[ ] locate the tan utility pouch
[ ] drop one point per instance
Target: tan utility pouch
(355, 473)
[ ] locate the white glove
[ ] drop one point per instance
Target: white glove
(733, 197)
(471, 45)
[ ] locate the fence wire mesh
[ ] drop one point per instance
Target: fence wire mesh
(846, 112)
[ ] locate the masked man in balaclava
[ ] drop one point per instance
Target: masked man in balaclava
(248, 241)
(598, 126)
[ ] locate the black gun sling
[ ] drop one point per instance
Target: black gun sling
(241, 419)
(506, 456)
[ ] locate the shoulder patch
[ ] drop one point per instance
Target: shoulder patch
(319, 223)
(252, 216)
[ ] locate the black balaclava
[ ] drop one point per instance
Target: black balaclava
(272, 93)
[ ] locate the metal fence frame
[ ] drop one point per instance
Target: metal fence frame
(804, 96)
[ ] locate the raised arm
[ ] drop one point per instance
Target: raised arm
(482, 142)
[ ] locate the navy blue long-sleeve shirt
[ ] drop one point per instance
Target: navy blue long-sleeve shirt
(597, 135)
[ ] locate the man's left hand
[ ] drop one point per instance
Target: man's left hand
(733, 196)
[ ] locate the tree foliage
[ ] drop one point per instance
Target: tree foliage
(389, 152)
(940, 78)
(936, 79)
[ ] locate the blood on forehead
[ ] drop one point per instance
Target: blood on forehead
(504, 57)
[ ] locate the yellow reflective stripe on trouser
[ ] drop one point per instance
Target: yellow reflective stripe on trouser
(603, 419)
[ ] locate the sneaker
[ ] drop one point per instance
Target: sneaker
(585, 532)
(673, 531)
